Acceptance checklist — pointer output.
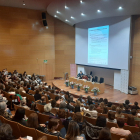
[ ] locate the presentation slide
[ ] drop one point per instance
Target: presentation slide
(98, 45)
(103, 42)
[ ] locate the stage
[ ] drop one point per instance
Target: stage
(111, 94)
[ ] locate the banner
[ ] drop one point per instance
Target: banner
(73, 71)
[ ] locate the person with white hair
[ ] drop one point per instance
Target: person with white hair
(47, 109)
(3, 111)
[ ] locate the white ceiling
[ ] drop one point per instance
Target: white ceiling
(109, 8)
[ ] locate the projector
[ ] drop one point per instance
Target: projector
(132, 90)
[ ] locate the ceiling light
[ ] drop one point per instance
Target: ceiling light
(57, 12)
(55, 15)
(72, 17)
(82, 14)
(81, 1)
(98, 11)
(66, 7)
(120, 7)
(23, 3)
(66, 20)
(47, 27)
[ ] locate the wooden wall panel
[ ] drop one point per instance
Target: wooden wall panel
(25, 42)
(64, 48)
(134, 76)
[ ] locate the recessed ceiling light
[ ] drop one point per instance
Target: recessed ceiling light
(66, 20)
(82, 14)
(23, 3)
(55, 15)
(47, 27)
(66, 7)
(81, 1)
(98, 10)
(57, 12)
(72, 17)
(120, 7)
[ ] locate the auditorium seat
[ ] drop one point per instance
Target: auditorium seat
(110, 124)
(54, 110)
(90, 120)
(2, 119)
(132, 129)
(49, 137)
(99, 114)
(42, 118)
(28, 112)
(14, 125)
(61, 138)
(99, 110)
(26, 131)
(116, 137)
(40, 108)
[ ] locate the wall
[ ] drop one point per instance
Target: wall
(25, 43)
(64, 48)
(134, 76)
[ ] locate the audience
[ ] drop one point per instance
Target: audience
(32, 122)
(73, 132)
(20, 116)
(121, 106)
(111, 117)
(37, 96)
(120, 130)
(113, 108)
(52, 126)
(23, 104)
(135, 106)
(47, 109)
(109, 104)
(53, 103)
(131, 121)
(6, 132)
(126, 111)
(105, 110)
(101, 121)
(105, 134)
(119, 113)
(93, 113)
(134, 113)
(43, 99)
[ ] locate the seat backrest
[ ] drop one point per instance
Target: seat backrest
(30, 98)
(16, 107)
(138, 123)
(40, 108)
(28, 112)
(111, 124)
(125, 115)
(90, 120)
(132, 129)
(99, 114)
(15, 128)
(99, 110)
(42, 118)
(61, 138)
(54, 110)
(49, 137)
(116, 137)
(26, 131)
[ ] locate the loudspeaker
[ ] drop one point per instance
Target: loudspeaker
(43, 15)
(45, 23)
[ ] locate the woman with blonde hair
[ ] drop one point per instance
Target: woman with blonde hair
(73, 131)
(101, 106)
(119, 113)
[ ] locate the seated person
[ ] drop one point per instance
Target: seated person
(53, 103)
(113, 108)
(57, 99)
(127, 102)
(80, 75)
(101, 106)
(105, 134)
(119, 113)
(111, 117)
(37, 96)
(23, 104)
(135, 106)
(81, 99)
(126, 111)
(120, 130)
(43, 99)
(73, 132)
(52, 126)
(34, 107)
(134, 113)
(63, 105)
(32, 122)
(47, 109)
(93, 113)
(69, 106)
(105, 110)
(20, 116)
(84, 77)
(71, 99)
(131, 121)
